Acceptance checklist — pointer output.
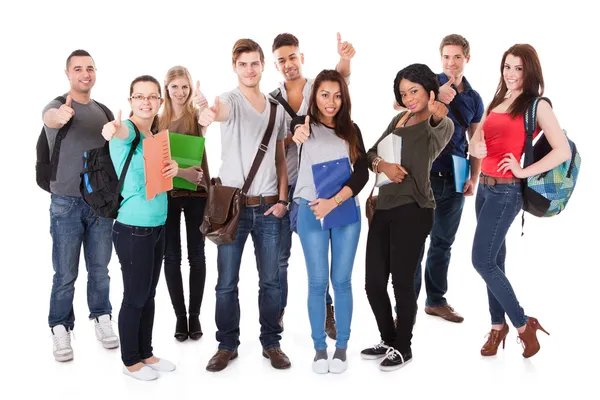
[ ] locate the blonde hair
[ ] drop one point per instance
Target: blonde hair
(189, 112)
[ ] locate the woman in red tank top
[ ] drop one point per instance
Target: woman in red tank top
(500, 142)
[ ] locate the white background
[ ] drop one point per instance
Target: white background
(553, 268)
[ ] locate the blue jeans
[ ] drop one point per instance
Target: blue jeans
(265, 232)
(496, 208)
(448, 211)
(315, 244)
(285, 249)
(140, 251)
(73, 223)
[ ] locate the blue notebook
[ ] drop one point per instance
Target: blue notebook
(461, 170)
(330, 177)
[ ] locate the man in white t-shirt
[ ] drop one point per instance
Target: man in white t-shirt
(244, 115)
(295, 90)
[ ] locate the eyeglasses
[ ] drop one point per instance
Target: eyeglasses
(139, 97)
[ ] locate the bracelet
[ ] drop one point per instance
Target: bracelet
(375, 165)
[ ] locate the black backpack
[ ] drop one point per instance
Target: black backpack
(100, 188)
(46, 166)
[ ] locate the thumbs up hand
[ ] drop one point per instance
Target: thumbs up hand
(110, 129)
(65, 112)
(198, 100)
(437, 109)
(345, 49)
(302, 131)
(447, 93)
(209, 114)
(478, 148)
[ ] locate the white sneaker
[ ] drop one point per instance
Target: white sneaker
(61, 338)
(320, 366)
(162, 365)
(337, 366)
(104, 332)
(144, 374)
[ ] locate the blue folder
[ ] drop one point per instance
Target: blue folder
(461, 169)
(329, 178)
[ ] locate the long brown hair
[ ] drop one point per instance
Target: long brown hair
(147, 78)
(344, 127)
(189, 113)
(533, 80)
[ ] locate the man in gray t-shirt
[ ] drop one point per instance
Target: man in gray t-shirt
(72, 222)
(244, 115)
(295, 90)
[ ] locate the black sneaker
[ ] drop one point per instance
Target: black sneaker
(394, 360)
(375, 352)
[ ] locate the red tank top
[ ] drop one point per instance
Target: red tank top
(503, 135)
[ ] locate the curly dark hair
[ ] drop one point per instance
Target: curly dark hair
(417, 73)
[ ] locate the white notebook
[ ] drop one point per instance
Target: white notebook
(390, 149)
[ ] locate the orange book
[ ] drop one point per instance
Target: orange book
(157, 150)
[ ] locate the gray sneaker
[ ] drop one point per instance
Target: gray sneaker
(104, 332)
(61, 338)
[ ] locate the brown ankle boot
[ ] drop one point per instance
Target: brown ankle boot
(529, 339)
(330, 322)
(490, 348)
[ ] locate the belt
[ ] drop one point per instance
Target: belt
(491, 180)
(187, 193)
(253, 201)
(442, 174)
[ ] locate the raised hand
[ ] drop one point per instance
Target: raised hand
(447, 93)
(345, 49)
(208, 115)
(198, 100)
(437, 109)
(110, 128)
(302, 132)
(65, 112)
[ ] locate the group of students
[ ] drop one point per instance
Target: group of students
(312, 124)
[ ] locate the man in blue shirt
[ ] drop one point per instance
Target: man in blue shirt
(465, 108)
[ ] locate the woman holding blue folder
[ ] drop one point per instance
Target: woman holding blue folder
(332, 171)
(180, 115)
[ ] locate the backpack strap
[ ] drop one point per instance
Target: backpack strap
(109, 115)
(276, 94)
(262, 149)
(134, 145)
(62, 132)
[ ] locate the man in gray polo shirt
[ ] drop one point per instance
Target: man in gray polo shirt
(295, 90)
(244, 115)
(72, 222)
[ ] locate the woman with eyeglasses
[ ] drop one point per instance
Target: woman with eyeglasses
(180, 115)
(139, 230)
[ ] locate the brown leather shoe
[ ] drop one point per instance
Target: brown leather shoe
(490, 348)
(278, 358)
(330, 322)
(220, 360)
(445, 312)
(529, 339)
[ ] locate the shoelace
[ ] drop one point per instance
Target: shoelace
(381, 345)
(64, 341)
(391, 354)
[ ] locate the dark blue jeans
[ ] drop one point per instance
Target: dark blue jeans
(496, 208)
(285, 249)
(193, 210)
(448, 211)
(140, 251)
(73, 223)
(265, 231)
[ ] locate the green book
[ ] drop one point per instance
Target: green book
(187, 150)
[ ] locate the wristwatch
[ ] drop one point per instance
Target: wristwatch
(338, 200)
(284, 202)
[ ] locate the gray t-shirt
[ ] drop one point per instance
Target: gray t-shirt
(291, 150)
(84, 134)
(241, 135)
(322, 145)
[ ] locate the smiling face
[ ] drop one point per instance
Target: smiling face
(414, 96)
(329, 100)
(249, 69)
(513, 73)
(288, 61)
(179, 90)
(81, 72)
(145, 100)
(454, 60)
